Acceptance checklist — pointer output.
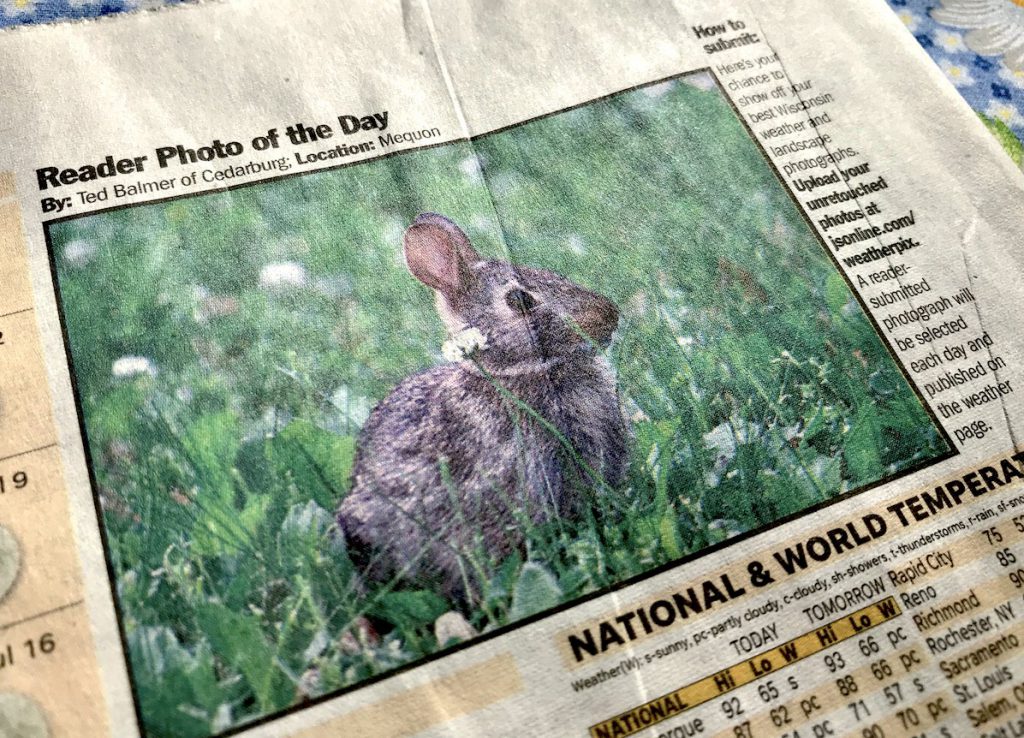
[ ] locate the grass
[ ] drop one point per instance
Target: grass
(267, 321)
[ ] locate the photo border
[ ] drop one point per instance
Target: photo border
(953, 451)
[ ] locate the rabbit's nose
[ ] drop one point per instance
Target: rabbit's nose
(599, 320)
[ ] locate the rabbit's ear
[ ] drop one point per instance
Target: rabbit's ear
(438, 253)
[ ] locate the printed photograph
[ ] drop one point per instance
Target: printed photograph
(341, 422)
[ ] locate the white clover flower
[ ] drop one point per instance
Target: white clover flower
(283, 274)
(576, 244)
(484, 223)
(453, 626)
(222, 719)
(130, 366)
(700, 80)
(661, 88)
(354, 407)
(79, 252)
(785, 357)
(464, 344)
(722, 440)
(639, 417)
(470, 167)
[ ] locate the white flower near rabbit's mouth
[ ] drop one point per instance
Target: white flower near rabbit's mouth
(464, 344)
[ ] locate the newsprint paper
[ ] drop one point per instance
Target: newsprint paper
(506, 369)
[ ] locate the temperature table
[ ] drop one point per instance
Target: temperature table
(49, 683)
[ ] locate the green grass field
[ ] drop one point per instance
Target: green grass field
(228, 347)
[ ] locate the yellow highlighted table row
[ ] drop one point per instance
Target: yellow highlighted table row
(768, 662)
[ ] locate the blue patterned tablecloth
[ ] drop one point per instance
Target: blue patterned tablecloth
(19, 12)
(978, 44)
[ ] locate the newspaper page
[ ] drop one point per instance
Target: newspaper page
(515, 369)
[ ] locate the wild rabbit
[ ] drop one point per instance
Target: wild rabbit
(455, 459)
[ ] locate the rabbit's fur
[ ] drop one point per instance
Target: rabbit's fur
(448, 464)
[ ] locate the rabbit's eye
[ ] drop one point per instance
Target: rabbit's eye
(520, 300)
